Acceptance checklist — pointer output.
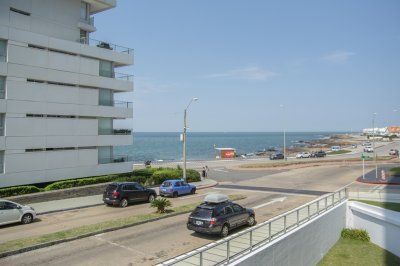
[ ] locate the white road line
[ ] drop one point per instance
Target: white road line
(220, 170)
(118, 245)
(270, 202)
(268, 192)
(198, 195)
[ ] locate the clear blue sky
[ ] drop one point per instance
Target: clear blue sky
(331, 64)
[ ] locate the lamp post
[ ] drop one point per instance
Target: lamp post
(284, 132)
(184, 138)
(373, 144)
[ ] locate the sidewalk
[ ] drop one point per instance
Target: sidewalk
(96, 200)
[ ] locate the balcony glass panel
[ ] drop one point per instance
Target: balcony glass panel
(116, 159)
(106, 97)
(106, 69)
(3, 50)
(2, 124)
(2, 87)
(105, 126)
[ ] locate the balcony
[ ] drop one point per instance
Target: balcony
(116, 75)
(116, 159)
(87, 24)
(115, 131)
(118, 104)
(106, 45)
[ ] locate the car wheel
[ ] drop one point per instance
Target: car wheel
(224, 230)
(123, 203)
(26, 218)
(193, 191)
(151, 197)
(251, 221)
(175, 194)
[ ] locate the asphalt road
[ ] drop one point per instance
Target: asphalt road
(151, 243)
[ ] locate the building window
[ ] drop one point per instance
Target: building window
(1, 162)
(84, 37)
(106, 97)
(105, 154)
(3, 50)
(2, 124)
(2, 87)
(106, 69)
(105, 126)
(85, 9)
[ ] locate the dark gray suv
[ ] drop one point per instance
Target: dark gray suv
(123, 193)
(219, 217)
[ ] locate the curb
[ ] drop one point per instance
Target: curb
(55, 242)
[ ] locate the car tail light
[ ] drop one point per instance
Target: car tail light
(213, 221)
(171, 190)
(115, 194)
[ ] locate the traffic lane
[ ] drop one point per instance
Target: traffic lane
(59, 221)
(149, 243)
(319, 178)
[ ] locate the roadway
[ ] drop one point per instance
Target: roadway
(147, 244)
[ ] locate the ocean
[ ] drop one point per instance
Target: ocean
(166, 146)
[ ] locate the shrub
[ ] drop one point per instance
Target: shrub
(355, 234)
(161, 204)
(80, 182)
(20, 190)
(165, 174)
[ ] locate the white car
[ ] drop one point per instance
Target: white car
(12, 212)
(303, 155)
(368, 149)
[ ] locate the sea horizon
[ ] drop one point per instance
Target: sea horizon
(167, 146)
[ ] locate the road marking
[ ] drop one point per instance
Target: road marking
(118, 245)
(198, 195)
(271, 202)
(220, 170)
(266, 192)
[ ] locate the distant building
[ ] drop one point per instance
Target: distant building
(57, 88)
(383, 131)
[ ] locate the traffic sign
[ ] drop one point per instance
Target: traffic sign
(364, 157)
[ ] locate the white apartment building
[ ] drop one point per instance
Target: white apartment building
(57, 88)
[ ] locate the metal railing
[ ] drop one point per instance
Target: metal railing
(89, 21)
(106, 45)
(115, 131)
(115, 159)
(118, 104)
(234, 246)
(116, 75)
(384, 194)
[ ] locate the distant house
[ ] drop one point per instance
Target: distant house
(383, 131)
(394, 130)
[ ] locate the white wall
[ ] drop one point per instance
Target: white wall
(382, 225)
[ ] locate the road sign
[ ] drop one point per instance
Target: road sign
(364, 157)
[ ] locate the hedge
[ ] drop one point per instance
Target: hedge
(355, 234)
(20, 190)
(148, 176)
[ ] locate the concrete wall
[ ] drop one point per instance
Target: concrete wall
(306, 245)
(382, 225)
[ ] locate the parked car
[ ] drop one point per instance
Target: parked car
(123, 193)
(219, 215)
(303, 155)
(176, 188)
(276, 156)
(336, 148)
(318, 154)
(368, 149)
(394, 152)
(12, 212)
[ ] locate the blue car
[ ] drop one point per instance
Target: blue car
(176, 188)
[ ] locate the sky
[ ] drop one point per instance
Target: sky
(258, 65)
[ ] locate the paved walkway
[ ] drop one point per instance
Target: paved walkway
(90, 201)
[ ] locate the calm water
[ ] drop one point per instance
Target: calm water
(200, 146)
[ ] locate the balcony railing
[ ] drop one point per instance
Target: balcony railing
(118, 104)
(115, 131)
(106, 45)
(112, 74)
(116, 159)
(89, 21)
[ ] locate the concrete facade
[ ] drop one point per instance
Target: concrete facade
(306, 245)
(57, 93)
(382, 225)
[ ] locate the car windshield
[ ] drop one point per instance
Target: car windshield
(202, 213)
(166, 184)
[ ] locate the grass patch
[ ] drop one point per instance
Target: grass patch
(394, 171)
(356, 252)
(386, 205)
(89, 229)
(338, 152)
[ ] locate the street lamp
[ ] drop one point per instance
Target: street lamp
(373, 144)
(284, 133)
(184, 138)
